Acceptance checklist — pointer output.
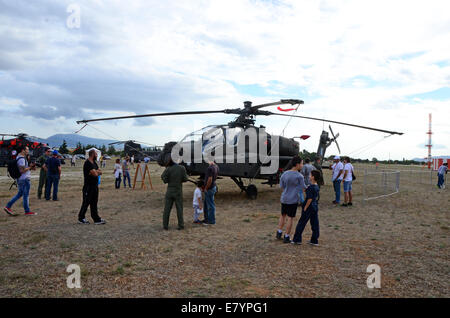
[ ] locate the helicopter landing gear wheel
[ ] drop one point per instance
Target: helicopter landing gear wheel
(252, 191)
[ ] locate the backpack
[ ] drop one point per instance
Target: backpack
(13, 168)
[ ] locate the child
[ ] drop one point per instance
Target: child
(197, 201)
(118, 173)
(310, 212)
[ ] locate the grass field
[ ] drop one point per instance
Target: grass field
(407, 235)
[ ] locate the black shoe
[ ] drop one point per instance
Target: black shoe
(100, 222)
(181, 228)
(83, 221)
(286, 239)
(335, 202)
(350, 204)
(344, 204)
(166, 228)
(279, 235)
(312, 243)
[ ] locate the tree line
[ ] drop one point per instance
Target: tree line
(81, 149)
(313, 155)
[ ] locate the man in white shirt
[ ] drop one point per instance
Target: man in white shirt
(348, 180)
(338, 175)
(442, 170)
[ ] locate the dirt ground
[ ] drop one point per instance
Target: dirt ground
(406, 234)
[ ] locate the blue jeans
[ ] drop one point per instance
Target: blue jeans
(440, 180)
(312, 216)
(337, 190)
(24, 190)
(348, 186)
(209, 208)
(126, 175)
(52, 180)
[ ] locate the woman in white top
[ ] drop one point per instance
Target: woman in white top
(348, 180)
(118, 173)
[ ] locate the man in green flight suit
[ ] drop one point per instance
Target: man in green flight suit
(174, 176)
(43, 174)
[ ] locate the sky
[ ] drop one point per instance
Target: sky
(384, 64)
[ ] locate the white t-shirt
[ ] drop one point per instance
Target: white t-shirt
(337, 167)
(118, 170)
(23, 163)
(197, 195)
(349, 168)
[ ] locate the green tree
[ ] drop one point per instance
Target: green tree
(63, 148)
(79, 150)
(111, 150)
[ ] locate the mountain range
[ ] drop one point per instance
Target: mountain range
(73, 139)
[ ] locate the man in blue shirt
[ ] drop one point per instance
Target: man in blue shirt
(53, 168)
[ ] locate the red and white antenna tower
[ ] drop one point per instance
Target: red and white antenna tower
(430, 145)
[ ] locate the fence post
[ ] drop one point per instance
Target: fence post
(431, 178)
(364, 186)
(398, 181)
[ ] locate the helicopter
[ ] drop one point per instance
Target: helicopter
(132, 148)
(232, 141)
(7, 146)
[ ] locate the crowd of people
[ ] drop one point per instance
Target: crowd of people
(300, 182)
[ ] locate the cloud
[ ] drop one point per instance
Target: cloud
(144, 121)
(369, 63)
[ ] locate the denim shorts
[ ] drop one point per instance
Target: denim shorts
(348, 186)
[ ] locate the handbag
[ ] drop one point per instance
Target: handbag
(353, 176)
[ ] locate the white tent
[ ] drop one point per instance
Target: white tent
(99, 153)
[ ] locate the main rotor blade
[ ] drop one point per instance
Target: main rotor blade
(340, 123)
(281, 102)
(153, 115)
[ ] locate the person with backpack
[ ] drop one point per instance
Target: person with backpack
(20, 170)
(53, 169)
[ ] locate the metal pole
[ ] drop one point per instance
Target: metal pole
(364, 186)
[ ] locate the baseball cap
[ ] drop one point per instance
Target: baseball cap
(55, 152)
(337, 158)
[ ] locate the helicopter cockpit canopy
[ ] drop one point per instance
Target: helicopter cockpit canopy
(213, 136)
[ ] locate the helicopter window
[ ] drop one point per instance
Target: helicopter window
(233, 136)
(197, 135)
(212, 138)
